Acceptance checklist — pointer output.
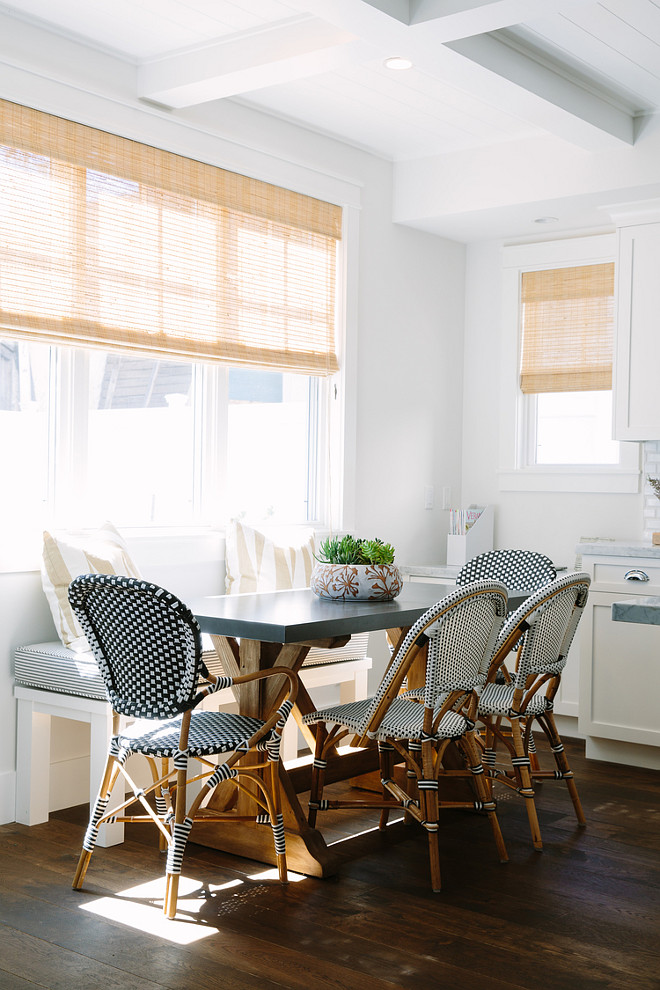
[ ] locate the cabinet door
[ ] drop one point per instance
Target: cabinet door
(619, 675)
(637, 350)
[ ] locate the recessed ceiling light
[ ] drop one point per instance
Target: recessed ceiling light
(546, 220)
(397, 62)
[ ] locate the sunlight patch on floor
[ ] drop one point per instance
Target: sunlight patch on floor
(366, 831)
(141, 907)
(272, 874)
(135, 908)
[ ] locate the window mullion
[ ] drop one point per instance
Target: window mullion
(71, 436)
(211, 438)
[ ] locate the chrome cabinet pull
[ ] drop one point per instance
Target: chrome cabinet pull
(635, 575)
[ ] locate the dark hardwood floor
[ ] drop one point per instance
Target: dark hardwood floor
(581, 915)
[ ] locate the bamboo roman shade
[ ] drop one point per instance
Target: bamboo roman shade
(108, 242)
(567, 329)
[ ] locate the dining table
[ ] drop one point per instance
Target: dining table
(252, 632)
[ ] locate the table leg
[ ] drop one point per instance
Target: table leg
(306, 849)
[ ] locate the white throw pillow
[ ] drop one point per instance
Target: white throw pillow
(66, 556)
(276, 561)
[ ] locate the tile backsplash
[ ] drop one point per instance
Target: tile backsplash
(651, 468)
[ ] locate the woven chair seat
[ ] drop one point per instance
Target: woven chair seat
(497, 699)
(403, 720)
(351, 715)
(210, 733)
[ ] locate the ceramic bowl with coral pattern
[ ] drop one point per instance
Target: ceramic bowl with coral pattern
(356, 582)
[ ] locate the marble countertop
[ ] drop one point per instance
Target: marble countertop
(645, 609)
(446, 572)
(430, 570)
(618, 548)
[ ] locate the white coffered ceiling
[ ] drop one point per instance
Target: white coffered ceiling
(486, 74)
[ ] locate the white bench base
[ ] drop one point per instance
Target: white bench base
(35, 709)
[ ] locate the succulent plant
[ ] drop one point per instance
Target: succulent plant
(354, 550)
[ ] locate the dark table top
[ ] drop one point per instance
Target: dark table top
(299, 615)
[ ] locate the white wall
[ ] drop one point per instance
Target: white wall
(407, 288)
(551, 523)
(409, 389)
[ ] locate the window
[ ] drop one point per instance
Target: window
(137, 440)
(167, 334)
(557, 370)
(572, 428)
(271, 435)
(566, 336)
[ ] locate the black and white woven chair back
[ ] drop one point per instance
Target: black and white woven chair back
(547, 620)
(146, 642)
(522, 570)
(461, 645)
(461, 630)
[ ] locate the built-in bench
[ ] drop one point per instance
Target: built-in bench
(51, 680)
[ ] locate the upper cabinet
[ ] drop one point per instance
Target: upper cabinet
(637, 336)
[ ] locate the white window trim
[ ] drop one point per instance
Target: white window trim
(514, 473)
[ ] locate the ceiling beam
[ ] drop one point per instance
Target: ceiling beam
(292, 49)
(455, 18)
(562, 105)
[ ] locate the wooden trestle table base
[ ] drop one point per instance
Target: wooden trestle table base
(256, 632)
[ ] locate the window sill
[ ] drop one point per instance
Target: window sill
(566, 478)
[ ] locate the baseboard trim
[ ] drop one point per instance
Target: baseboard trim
(7, 797)
(630, 754)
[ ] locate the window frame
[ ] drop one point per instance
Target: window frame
(518, 411)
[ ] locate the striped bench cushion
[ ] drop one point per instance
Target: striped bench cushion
(53, 667)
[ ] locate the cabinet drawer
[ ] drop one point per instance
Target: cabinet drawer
(610, 575)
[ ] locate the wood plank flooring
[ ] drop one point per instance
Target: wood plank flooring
(582, 915)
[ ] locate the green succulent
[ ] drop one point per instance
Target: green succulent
(377, 552)
(353, 550)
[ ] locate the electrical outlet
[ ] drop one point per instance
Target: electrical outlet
(428, 496)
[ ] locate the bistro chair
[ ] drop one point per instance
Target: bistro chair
(540, 633)
(522, 570)
(458, 635)
(148, 648)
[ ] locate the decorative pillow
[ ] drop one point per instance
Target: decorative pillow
(257, 561)
(67, 556)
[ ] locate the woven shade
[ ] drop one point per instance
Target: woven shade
(108, 242)
(567, 329)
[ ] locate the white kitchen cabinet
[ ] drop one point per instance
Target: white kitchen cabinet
(637, 340)
(619, 661)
